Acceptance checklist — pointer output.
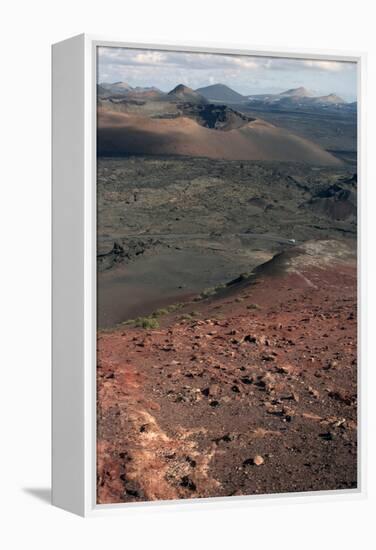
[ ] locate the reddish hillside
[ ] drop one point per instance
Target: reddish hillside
(123, 133)
(256, 394)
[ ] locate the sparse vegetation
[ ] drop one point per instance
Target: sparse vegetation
(168, 309)
(175, 307)
(212, 290)
(160, 312)
(189, 316)
(151, 321)
(207, 293)
(146, 322)
(220, 287)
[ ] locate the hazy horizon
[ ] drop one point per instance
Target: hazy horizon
(245, 74)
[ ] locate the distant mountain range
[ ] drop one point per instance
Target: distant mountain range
(293, 99)
(120, 90)
(297, 92)
(296, 97)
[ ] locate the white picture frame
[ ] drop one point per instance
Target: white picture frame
(74, 276)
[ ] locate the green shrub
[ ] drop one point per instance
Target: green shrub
(189, 316)
(174, 307)
(146, 322)
(160, 312)
(207, 292)
(165, 310)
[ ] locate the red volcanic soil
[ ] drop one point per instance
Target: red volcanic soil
(257, 394)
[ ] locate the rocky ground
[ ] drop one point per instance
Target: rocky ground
(169, 227)
(150, 197)
(251, 390)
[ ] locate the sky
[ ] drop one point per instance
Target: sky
(245, 74)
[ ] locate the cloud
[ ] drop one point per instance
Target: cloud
(199, 61)
(244, 73)
(333, 66)
(125, 56)
(202, 61)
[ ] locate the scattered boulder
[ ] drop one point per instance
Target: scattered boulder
(339, 395)
(266, 381)
(257, 460)
(286, 369)
(213, 390)
(313, 392)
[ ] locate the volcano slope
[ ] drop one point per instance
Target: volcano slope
(249, 391)
(124, 133)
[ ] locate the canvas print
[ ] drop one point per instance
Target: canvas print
(226, 275)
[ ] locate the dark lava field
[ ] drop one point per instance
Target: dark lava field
(169, 228)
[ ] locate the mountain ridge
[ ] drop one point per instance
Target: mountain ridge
(221, 92)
